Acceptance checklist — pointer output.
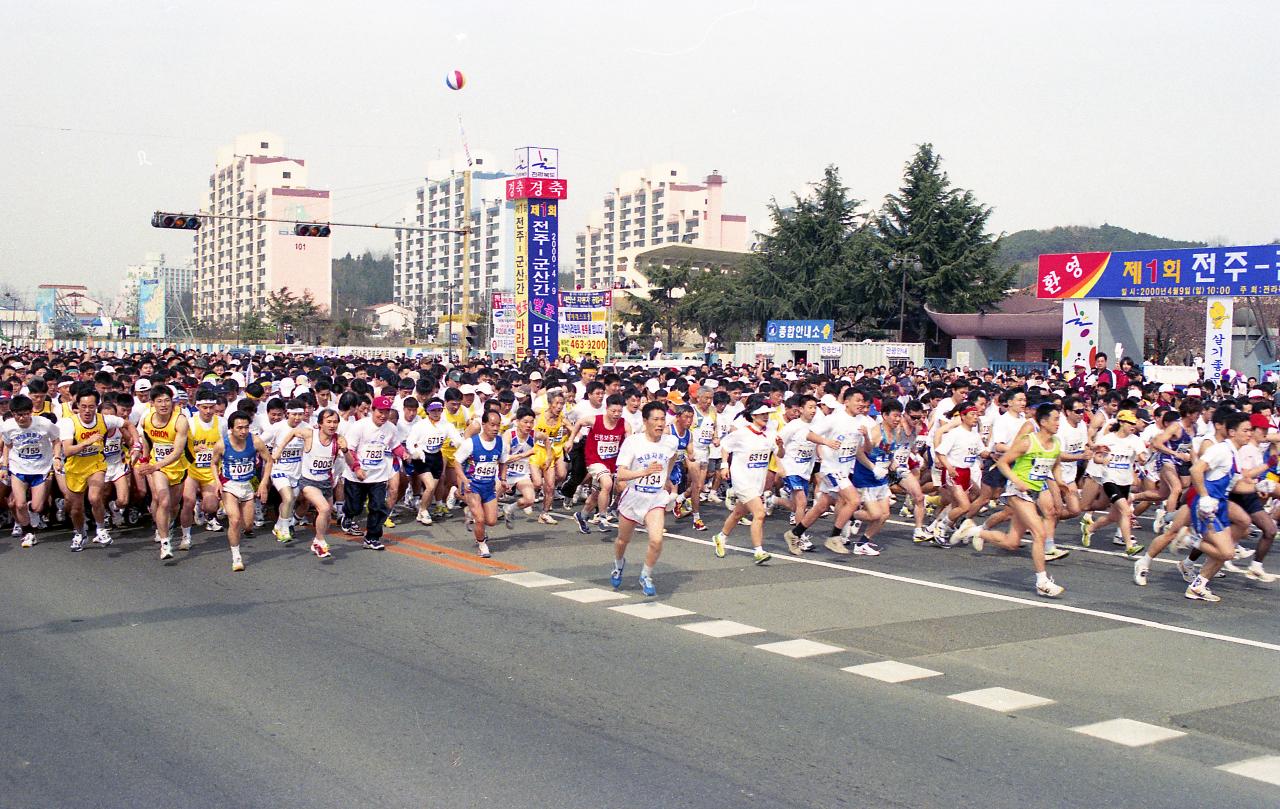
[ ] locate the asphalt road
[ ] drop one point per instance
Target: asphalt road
(423, 678)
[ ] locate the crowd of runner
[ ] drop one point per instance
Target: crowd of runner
(969, 458)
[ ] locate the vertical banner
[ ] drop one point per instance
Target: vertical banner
(46, 306)
(151, 308)
(1079, 333)
(1217, 338)
(584, 323)
(520, 294)
(503, 317)
(544, 278)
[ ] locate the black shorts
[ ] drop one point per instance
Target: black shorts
(1249, 501)
(432, 464)
(1115, 492)
(993, 477)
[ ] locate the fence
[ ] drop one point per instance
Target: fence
(155, 346)
(1020, 368)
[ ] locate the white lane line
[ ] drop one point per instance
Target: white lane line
(649, 610)
(1060, 544)
(1263, 768)
(531, 578)
(800, 647)
(591, 595)
(721, 629)
(1026, 602)
(1129, 732)
(891, 671)
(1001, 699)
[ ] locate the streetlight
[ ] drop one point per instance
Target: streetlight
(907, 261)
(13, 314)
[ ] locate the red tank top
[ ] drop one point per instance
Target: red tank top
(603, 444)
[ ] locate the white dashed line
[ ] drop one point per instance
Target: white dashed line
(800, 647)
(591, 595)
(1001, 699)
(531, 579)
(721, 629)
(891, 671)
(1128, 732)
(1263, 768)
(649, 610)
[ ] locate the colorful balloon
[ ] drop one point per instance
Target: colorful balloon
(454, 80)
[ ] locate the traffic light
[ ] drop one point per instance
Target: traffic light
(473, 336)
(310, 230)
(180, 221)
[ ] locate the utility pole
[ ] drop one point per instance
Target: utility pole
(905, 262)
(463, 348)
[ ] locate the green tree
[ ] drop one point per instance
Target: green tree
(946, 228)
(254, 328)
(663, 308)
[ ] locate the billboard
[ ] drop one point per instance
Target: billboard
(502, 337)
(538, 162)
(584, 323)
(1079, 333)
(544, 277)
(151, 308)
(799, 331)
(520, 296)
(46, 305)
(1193, 272)
(1217, 337)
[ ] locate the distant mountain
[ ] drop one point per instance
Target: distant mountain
(360, 281)
(1021, 249)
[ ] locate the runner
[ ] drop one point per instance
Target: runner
(482, 461)
(798, 458)
(32, 449)
(165, 470)
(205, 431)
(644, 471)
(83, 443)
(367, 446)
(428, 438)
(838, 437)
(286, 450)
(603, 438)
(749, 451)
(235, 458)
(522, 477)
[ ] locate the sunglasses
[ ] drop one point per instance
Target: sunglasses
(1078, 412)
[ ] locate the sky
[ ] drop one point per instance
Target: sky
(1156, 116)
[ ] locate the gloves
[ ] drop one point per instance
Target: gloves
(1207, 506)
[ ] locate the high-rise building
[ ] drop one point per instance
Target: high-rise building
(647, 209)
(427, 266)
(178, 279)
(238, 262)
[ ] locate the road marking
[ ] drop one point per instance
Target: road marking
(800, 647)
(1128, 732)
(1026, 602)
(1263, 768)
(443, 561)
(531, 578)
(470, 558)
(649, 610)
(1001, 699)
(721, 629)
(891, 671)
(1060, 544)
(591, 595)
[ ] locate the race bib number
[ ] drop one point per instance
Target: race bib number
(291, 455)
(758, 460)
(324, 465)
(30, 452)
(804, 454)
(163, 451)
(433, 444)
(848, 451)
(607, 449)
(238, 470)
(485, 470)
(649, 484)
(204, 458)
(373, 456)
(518, 468)
(901, 457)
(1042, 468)
(90, 451)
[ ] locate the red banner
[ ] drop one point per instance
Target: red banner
(531, 188)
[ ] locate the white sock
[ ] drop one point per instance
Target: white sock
(235, 553)
(646, 571)
(1042, 577)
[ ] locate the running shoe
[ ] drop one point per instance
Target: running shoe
(1158, 525)
(184, 544)
(905, 511)
(1202, 593)
(102, 537)
(852, 530)
(793, 543)
(581, 519)
(374, 544)
(921, 535)
(805, 543)
(646, 585)
(17, 530)
(213, 525)
(282, 535)
(683, 508)
(546, 519)
(604, 525)
(350, 528)
(117, 518)
(1054, 553)
(451, 502)
(482, 550)
(1187, 569)
(867, 548)
(166, 550)
(1086, 529)
(717, 543)
(321, 549)
(507, 518)
(1117, 538)
(975, 538)
(1181, 541)
(1242, 552)
(1049, 588)
(761, 556)
(77, 543)
(746, 520)
(441, 510)
(1134, 549)
(1256, 573)
(237, 565)
(712, 497)
(388, 523)
(1231, 567)
(1141, 568)
(835, 545)
(30, 541)
(424, 518)
(698, 524)
(615, 576)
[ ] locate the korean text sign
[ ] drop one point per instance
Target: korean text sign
(799, 331)
(1192, 272)
(544, 278)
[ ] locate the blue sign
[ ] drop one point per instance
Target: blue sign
(1192, 272)
(544, 277)
(799, 331)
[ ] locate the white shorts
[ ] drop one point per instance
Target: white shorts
(833, 482)
(635, 505)
(116, 471)
(283, 480)
(595, 470)
(241, 490)
(874, 494)
(699, 454)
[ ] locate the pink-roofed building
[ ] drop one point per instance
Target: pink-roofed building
(238, 263)
(647, 209)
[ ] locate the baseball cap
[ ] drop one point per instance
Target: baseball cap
(382, 403)
(1190, 392)
(1166, 388)
(534, 375)
(467, 389)
(435, 406)
(829, 401)
(762, 410)
(485, 388)
(142, 384)
(1260, 421)
(1257, 394)
(1127, 416)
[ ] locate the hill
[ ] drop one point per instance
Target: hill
(1021, 249)
(361, 281)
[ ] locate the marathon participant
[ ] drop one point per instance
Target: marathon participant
(749, 450)
(602, 437)
(481, 461)
(798, 457)
(428, 438)
(236, 458)
(165, 470)
(522, 477)
(644, 470)
(32, 449)
(83, 438)
(206, 429)
(367, 446)
(552, 431)
(286, 450)
(838, 437)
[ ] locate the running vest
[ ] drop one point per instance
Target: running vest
(238, 464)
(87, 459)
(520, 468)
(201, 439)
(1035, 466)
(482, 466)
(162, 438)
(317, 463)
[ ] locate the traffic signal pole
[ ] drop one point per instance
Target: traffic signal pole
(464, 346)
(413, 228)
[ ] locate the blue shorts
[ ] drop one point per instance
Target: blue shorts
(993, 477)
(486, 489)
(797, 484)
(1218, 521)
(32, 479)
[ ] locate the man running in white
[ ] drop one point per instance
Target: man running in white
(644, 465)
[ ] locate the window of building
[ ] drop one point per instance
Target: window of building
(288, 175)
(264, 145)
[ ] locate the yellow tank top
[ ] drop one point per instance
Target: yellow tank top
(459, 420)
(557, 430)
(91, 456)
(201, 439)
(162, 439)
